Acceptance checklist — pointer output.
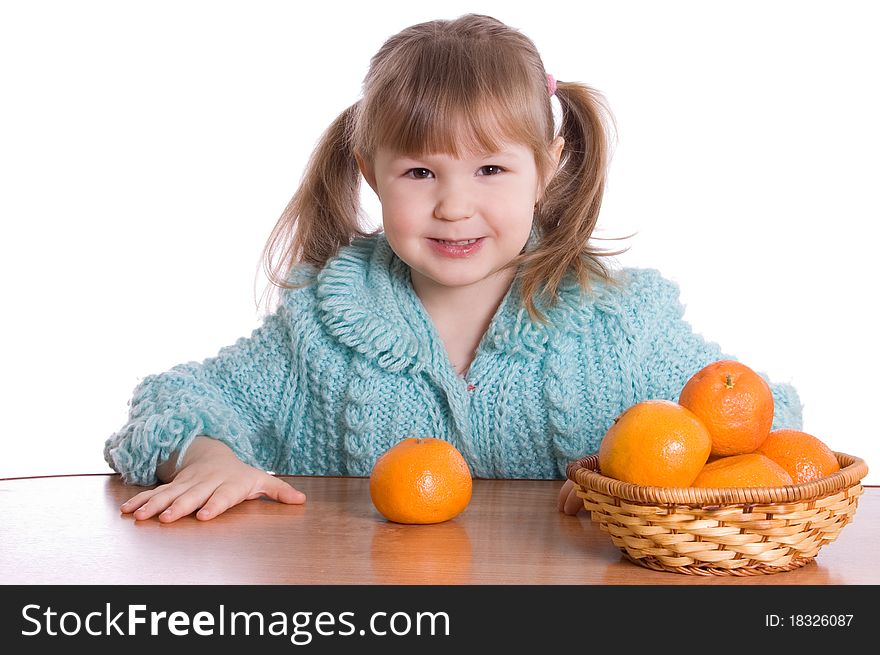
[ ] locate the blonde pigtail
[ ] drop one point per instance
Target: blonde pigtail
(325, 212)
(569, 208)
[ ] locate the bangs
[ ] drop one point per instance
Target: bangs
(456, 101)
(443, 127)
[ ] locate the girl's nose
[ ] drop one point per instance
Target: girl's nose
(454, 204)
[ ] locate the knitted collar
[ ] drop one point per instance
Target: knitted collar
(366, 300)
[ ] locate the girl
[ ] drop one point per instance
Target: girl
(481, 314)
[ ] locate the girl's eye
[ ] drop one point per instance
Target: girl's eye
(497, 169)
(418, 173)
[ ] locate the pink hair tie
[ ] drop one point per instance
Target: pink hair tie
(551, 84)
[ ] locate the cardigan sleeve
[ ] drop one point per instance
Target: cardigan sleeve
(234, 397)
(671, 351)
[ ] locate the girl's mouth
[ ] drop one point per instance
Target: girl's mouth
(462, 248)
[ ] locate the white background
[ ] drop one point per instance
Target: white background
(147, 149)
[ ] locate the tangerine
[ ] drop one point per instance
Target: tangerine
(802, 455)
(734, 403)
(747, 470)
(420, 480)
(655, 443)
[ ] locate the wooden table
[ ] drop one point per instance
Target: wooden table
(68, 530)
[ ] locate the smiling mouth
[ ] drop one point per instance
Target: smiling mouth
(463, 242)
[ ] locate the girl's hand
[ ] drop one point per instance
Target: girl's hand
(210, 481)
(569, 502)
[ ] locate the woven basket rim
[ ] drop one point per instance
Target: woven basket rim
(585, 472)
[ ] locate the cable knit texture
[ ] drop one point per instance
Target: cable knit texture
(351, 363)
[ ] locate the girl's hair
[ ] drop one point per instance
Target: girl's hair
(458, 87)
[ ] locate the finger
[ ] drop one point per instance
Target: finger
(188, 502)
(162, 497)
(223, 497)
(281, 491)
(563, 495)
(574, 503)
(136, 501)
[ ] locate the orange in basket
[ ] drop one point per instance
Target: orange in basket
(734, 403)
(749, 470)
(655, 442)
(804, 456)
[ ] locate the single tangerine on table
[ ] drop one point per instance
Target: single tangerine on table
(655, 443)
(734, 403)
(803, 456)
(420, 480)
(747, 470)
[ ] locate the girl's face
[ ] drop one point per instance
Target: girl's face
(457, 222)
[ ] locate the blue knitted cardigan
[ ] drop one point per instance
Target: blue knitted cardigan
(351, 363)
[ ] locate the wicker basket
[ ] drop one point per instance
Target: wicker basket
(721, 531)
